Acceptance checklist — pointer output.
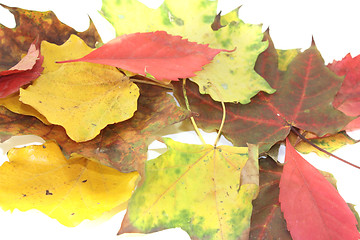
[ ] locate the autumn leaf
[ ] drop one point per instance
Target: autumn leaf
(161, 55)
(13, 103)
(285, 57)
(28, 69)
(312, 207)
(74, 47)
(327, 143)
(53, 53)
(347, 99)
(267, 220)
(33, 24)
(230, 75)
(82, 97)
(303, 98)
(122, 145)
(214, 208)
(67, 190)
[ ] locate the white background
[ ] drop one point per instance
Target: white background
(334, 26)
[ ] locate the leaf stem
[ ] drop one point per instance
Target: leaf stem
(191, 118)
(223, 116)
(294, 130)
(146, 80)
(151, 83)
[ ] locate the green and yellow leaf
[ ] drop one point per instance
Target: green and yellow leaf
(328, 143)
(231, 76)
(204, 190)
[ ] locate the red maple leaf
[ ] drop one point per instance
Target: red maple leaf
(347, 99)
(28, 69)
(303, 98)
(162, 55)
(312, 207)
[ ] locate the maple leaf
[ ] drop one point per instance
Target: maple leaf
(267, 220)
(214, 208)
(28, 69)
(285, 57)
(82, 97)
(67, 190)
(312, 207)
(122, 145)
(347, 99)
(230, 74)
(33, 24)
(162, 55)
(303, 98)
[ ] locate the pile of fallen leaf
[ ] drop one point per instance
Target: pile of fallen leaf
(99, 108)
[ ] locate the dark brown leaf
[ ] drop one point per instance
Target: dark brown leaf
(33, 24)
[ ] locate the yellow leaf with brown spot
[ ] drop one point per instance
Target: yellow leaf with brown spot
(70, 191)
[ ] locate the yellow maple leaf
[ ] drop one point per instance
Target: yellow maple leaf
(205, 190)
(70, 191)
(82, 97)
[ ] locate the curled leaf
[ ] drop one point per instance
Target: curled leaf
(28, 69)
